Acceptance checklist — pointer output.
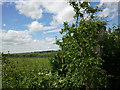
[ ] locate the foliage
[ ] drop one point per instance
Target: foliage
(88, 57)
(24, 72)
(111, 56)
(78, 59)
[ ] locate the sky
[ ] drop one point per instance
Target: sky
(32, 25)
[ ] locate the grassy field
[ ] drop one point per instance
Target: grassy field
(0, 74)
(24, 72)
(30, 63)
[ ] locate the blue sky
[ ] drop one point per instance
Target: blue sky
(29, 26)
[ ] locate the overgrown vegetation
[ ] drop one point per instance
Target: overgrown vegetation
(24, 72)
(88, 58)
(89, 53)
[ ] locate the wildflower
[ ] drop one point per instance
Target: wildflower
(48, 74)
(40, 73)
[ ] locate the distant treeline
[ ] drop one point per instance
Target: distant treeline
(32, 54)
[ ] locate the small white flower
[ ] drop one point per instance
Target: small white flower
(60, 80)
(72, 34)
(48, 73)
(40, 73)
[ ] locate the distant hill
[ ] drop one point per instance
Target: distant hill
(33, 54)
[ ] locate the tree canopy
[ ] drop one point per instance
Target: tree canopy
(85, 48)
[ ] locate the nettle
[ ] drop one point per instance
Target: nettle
(78, 62)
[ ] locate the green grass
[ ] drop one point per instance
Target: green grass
(24, 72)
(30, 63)
(0, 74)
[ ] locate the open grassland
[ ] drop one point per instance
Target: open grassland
(0, 80)
(30, 63)
(24, 72)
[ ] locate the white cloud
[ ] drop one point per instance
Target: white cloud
(113, 16)
(109, 0)
(52, 31)
(49, 27)
(21, 41)
(1, 3)
(49, 39)
(54, 6)
(4, 25)
(29, 9)
(61, 9)
(105, 13)
(16, 37)
(101, 4)
(111, 8)
(36, 26)
(64, 15)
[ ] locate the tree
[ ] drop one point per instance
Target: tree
(111, 57)
(78, 63)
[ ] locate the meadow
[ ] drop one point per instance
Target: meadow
(30, 63)
(25, 72)
(0, 74)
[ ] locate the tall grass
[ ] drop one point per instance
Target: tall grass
(24, 72)
(30, 63)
